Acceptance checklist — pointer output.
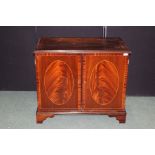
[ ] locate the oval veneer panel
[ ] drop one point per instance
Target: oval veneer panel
(58, 82)
(104, 82)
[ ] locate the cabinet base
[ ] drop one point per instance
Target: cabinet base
(120, 118)
(119, 115)
(41, 116)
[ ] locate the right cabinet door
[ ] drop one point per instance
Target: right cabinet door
(104, 81)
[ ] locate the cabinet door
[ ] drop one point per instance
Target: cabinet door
(104, 81)
(58, 81)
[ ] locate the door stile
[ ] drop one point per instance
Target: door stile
(83, 80)
(79, 78)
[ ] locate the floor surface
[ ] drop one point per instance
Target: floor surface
(18, 108)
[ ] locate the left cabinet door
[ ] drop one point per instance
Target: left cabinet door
(58, 81)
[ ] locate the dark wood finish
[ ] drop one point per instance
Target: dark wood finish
(104, 80)
(114, 44)
(81, 75)
(58, 81)
(41, 116)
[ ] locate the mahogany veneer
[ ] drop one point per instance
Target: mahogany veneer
(81, 75)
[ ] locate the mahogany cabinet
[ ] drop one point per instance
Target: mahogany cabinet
(81, 75)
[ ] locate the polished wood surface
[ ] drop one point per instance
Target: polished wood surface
(59, 86)
(92, 82)
(115, 44)
(104, 82)
(58, 80)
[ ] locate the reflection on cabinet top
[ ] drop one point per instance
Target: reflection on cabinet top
(82, 44)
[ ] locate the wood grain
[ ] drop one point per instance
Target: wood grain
(103, 79)
(104, 82)
(84, 44)
(58, 82)
(69, 85)
(81, 75)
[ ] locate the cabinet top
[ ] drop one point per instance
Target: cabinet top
(104, 44)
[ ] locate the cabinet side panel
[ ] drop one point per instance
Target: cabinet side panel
(126, 60)
(37, 66)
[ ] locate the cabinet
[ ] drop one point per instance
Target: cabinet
(81, 75)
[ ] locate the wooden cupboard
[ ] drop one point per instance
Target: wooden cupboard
(81, 75)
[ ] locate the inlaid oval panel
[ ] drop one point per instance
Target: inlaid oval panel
(104, 82)
(58, 82)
